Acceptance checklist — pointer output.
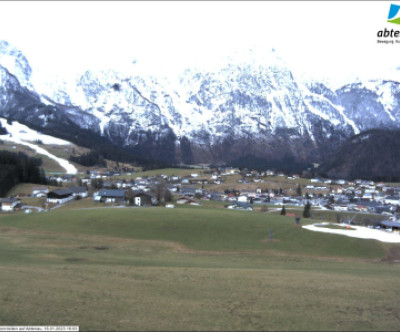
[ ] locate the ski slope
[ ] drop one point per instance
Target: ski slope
(21, 134)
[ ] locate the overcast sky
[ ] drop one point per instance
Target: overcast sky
(335, 40)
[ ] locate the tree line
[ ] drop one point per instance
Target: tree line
(92, 158)
(17, 168)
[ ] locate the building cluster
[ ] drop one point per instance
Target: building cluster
(337, 195)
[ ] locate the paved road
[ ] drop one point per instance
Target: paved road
(38, 209)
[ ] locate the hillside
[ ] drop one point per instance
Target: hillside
(68, 123)
(373, 154)
(190, 269)
(17, 168)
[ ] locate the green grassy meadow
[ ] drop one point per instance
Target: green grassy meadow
(190, 268)
(163, 171)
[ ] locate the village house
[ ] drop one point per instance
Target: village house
(173, 189)
(82, 192)
(187, 200)
(86, 181)
(57, 179)
(249, 192)
(390, 225)
(63, 195)
(229, 171)
(241, 206)
(142, 184)
(316, 180)
(242, 199)
(118, 183)
(40, 191)
(94, 175)
(68, 178)
(128, 184)
(60, 196)
(200, 181)
(393, 200)
(110, 196)
(9, 204)
(200, 191)
(144, 199)
(187, 191)
(217, 196)
(107, 184)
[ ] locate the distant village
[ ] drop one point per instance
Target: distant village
(106, 188)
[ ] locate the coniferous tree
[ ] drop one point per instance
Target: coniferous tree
(307, 210)
(283, 211)
(298, 190)
(186, 150)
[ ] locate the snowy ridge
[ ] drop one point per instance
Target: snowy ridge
(247, 99)
(208, 102)
(16, 63)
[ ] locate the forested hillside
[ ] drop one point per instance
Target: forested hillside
(18, 167)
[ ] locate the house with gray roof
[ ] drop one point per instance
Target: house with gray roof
(110, 196)
(60, 196)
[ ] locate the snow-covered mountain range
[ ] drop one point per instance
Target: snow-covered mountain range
(243, 108)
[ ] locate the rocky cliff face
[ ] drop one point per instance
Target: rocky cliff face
(241, 109)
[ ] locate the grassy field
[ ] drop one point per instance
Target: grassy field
(190, 268)
(167, 171)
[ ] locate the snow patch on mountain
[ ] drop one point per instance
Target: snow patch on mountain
(21, 134)
(348, 121)
(24, 133)
(386, 92)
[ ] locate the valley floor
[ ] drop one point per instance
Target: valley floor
(191, 269)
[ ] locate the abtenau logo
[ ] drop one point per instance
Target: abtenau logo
(391, 36)
(394, 14)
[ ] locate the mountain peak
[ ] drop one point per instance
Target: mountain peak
(15, 62)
